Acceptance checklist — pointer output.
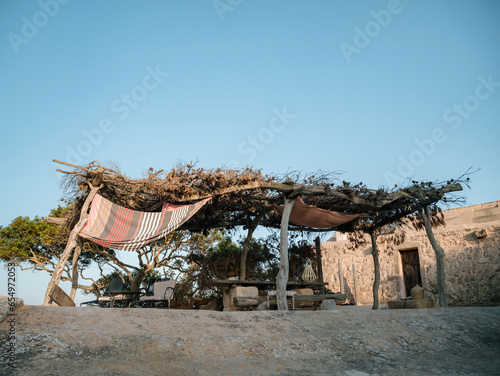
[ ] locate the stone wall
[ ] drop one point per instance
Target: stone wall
(471, 241)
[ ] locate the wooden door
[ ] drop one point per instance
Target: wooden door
(411, 269)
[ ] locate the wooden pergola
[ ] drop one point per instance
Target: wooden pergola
(245, 198)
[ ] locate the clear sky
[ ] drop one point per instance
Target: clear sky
(381, 90)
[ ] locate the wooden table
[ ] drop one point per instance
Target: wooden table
(231, 304)
(263, 285)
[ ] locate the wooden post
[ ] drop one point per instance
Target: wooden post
(246, 245)
(244, 253)
(355, 283)
(72, 243)
(376, 267)
(74, 268)
(282, 277)
(320, 263)
(441, 282)
(341, 277)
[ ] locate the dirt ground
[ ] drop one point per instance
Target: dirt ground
(351, 340)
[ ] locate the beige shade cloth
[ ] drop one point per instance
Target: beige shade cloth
(312, 216)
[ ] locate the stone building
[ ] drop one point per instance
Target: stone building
(470, 239)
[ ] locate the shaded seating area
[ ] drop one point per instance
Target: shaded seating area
(289, 293)
(163, 292)
(113, 210)
(249, 294)
(158, 294)
(116, 292)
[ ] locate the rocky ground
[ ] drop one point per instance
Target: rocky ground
(353, 341)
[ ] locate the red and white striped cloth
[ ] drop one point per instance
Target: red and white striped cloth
(116, 227)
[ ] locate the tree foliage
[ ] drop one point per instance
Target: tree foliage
(37, 245)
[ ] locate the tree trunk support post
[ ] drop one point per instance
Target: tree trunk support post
(320, 263)
(246, 245)
(355, 284)
(439, 251)
(341, 277)
(282, 277)
(74, 268)
(72, 243)
(244, 253)
(376, 267)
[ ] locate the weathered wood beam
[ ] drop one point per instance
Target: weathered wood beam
(73, 165)
(293, 190)
(244, 253)
(251, 226)
(439, 252)
(74, 268)
(72, 243)
(55, 221)
(105, 176)
(318, 190)
(319, 262)
(299, 299)
(376, 268)
(282, 277)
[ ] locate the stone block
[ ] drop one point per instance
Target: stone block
(395, 304)
(210, 306)
(238, 292)
(417, 292)
(328, 305)
(410, 304)
(244, 291)
(422, 303)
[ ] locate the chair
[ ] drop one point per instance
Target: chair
(162, 292)
(108, 299)
(288, 293)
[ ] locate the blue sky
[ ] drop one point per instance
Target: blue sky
(382, 90)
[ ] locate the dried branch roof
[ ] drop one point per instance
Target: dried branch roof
(240, 196)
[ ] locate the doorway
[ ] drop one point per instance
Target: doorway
(411, 269)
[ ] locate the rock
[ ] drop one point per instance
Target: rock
(262, 307)
(210, 306)
(328, 305)
(417, 292)
(8, 307)
(481, 233)
(354, 372)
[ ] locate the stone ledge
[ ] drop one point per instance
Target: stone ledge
(410, 304)
(6, 308)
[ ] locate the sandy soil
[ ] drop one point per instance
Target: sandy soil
(353, 341)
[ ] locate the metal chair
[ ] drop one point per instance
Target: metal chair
(107, 299)
(162, 292)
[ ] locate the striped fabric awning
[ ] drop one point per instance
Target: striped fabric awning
(116, 227)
